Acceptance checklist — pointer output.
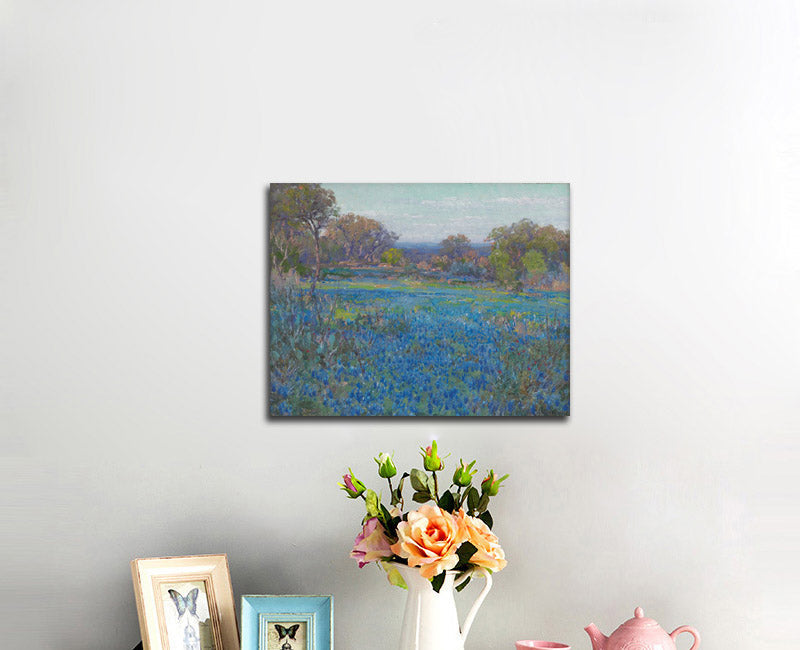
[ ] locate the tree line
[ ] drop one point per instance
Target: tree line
(306, 230)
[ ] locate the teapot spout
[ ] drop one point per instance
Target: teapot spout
(598, 638)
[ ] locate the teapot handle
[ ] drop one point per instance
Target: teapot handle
(478, 601)
(690, 630)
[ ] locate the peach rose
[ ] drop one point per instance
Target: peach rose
(430, 539)
(489, 554)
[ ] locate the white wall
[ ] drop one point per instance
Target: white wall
(139, 140)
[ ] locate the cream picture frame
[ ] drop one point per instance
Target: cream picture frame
(185, 602)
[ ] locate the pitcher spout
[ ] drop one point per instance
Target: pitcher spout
(598, 638)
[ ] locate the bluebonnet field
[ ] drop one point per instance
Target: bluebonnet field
(377, 345)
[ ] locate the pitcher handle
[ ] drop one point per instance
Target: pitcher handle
(478, 601)
(690, 630)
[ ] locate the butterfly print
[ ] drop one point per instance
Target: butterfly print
(287, 633)
(284, 631)
(182, 603)
(187, 605)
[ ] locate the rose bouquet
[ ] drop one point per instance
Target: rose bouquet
(451, 529)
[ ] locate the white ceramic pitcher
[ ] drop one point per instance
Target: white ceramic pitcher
(430, 621)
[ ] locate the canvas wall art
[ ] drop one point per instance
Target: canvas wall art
(418, 299)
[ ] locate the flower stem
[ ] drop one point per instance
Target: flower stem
(435, 487)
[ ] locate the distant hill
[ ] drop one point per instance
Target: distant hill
(431, 248)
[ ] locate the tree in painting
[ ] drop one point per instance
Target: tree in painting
(360, 239)
(525, 251)
(418, 300)
(455, 246)
(299, 208)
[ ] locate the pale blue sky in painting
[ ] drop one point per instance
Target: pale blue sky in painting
(429, 212)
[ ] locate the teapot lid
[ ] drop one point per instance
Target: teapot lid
(639, 620)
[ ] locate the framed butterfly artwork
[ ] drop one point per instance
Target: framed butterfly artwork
(287, 622)
(185, 603)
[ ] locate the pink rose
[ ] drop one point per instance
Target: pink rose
(371, 544)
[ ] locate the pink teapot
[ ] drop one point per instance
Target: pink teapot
(639, 633)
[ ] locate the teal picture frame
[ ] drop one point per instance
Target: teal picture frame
(310, 616)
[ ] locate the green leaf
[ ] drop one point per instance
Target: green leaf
(419, 480)
(437, 582)
(473, 496)
(483, 503)
(447, 502)
(394, 577)
(463, 584)
(486, 518)
(465, 552)
(397, 494)
(431, 485)
(386, 519)
(372, 503)
(421, 497)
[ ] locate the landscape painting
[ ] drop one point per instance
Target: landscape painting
(418, 299)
